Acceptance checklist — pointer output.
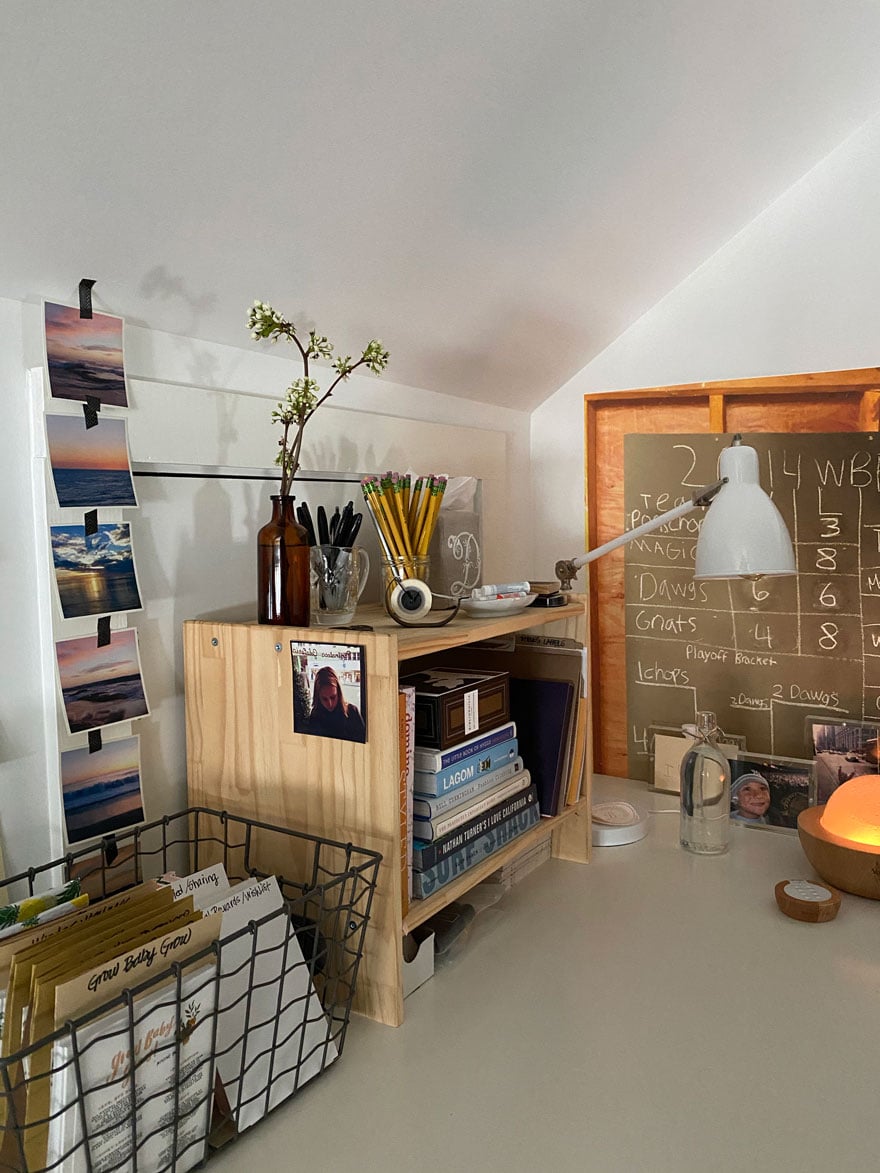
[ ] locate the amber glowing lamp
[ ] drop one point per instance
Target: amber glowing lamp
(842, 838)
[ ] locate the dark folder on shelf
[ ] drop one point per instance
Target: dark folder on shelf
(543, 713)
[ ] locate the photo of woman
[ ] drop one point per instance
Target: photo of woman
(331, 714)
(329, 690)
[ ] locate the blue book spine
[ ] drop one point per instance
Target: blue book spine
(426, 883)
(426, 807)
(435, 784)
(428, 855)
(433, 760)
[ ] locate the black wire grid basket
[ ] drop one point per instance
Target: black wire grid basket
(174, 1067)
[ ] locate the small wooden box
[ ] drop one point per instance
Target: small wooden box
(454, 704)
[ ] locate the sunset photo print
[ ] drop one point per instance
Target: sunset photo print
(90, 466)
(94, 573)
(101, 791)
(101, 685)
(84, 355)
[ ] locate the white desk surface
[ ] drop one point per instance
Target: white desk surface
(651, 1011)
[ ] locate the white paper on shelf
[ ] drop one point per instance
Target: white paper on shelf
(249, 1027)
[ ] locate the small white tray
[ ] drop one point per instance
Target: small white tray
(496, 606)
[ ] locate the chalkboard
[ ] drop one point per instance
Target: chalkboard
(762, 655)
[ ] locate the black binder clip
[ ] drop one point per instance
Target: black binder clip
(85, 297)
(90, 522)
(103, 631)
(95, 743)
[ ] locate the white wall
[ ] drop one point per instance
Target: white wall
(797, 290)
(198, 403)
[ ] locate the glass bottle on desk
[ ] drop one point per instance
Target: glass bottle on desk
(705, 790)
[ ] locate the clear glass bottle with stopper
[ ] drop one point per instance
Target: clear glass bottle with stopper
(705, 790)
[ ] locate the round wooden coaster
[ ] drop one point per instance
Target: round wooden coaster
(807, 901)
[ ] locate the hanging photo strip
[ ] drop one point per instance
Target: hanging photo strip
(329, 690)
(101, 791)
(90, 466)
(84, 356)
(100, 685)
(94, 572)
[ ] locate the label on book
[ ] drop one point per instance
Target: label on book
(426, 855)
(467, 770)
(427, 760)
(471, 712)
(426, 883)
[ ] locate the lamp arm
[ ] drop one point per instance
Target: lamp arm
(566, 569)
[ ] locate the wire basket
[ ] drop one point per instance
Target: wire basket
(161, 1075)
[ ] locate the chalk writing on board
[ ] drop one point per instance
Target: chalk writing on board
(762, 654)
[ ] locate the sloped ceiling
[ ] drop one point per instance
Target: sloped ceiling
(495, 189)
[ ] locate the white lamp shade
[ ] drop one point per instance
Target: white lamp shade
(743, 533)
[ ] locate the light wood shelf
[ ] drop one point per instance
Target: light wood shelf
(243, 756)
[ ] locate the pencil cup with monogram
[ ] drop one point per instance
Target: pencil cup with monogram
(339, 575)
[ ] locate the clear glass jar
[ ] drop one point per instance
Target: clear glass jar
(705, 790)
(396, 569)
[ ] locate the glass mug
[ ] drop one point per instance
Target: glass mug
(338, 575)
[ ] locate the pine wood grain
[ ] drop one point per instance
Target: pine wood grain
(243, 756)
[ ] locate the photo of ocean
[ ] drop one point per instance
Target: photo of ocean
(101, 791)
(104, 702)
(90, 466)
(84, 355)
(94, 573)
(90, 487)
(101, 684)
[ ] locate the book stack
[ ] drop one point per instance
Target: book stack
(471, 791)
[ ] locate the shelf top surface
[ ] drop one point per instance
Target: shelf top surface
(420, 641)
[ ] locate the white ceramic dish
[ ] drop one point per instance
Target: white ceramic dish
(488, 607)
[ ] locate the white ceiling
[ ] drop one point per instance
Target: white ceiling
(495, 189)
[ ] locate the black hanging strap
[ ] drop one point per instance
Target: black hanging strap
(103, 631)
(95, 741)
(85, 297)
(90, 522)
(91, 407)
(110, 849)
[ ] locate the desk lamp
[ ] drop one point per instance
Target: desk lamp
(742, 535)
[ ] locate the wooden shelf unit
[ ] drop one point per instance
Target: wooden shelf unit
(243, 756)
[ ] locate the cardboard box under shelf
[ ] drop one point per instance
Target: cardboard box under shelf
(418, 959)
(454, 704)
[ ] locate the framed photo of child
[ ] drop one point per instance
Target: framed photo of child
(770, 791)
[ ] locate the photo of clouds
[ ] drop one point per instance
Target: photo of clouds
(94, 573)
(101, 685)
(90, 466)
(84, 355)
(101, 791)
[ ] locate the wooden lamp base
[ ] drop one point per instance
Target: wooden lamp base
(848, 866)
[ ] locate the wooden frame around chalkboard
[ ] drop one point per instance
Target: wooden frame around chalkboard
(831, 401)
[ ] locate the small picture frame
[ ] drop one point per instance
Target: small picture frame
(770, 791)
(329, 690)
(842, 750)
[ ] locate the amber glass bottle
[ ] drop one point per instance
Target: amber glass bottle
(283, 568)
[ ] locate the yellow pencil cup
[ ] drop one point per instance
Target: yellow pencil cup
(394, 569)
